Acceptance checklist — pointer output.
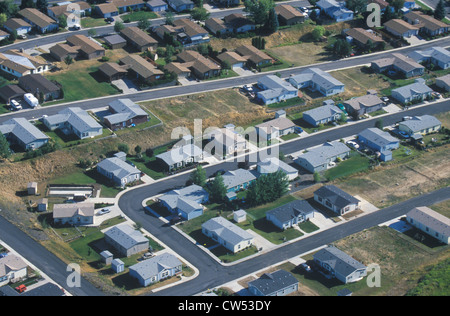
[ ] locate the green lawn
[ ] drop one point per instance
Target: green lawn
(138, 15)
(289, 136)
(225, 73)
(89, 22)
(356, 163)
(149, 165)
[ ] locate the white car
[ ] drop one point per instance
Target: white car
(15, 105)
(104, 211)
(353, 144)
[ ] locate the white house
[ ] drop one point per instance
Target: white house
(12, 269)
(430, 222)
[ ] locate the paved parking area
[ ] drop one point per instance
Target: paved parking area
(126, 85)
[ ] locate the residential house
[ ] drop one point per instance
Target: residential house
(157, 5)
(181, 5)
(12, 269)
(437, 56)
(61, 51)
(38, 20)
(139, 39)
(141, 69)
(379, 141)
(362, 37)
(340, 265)
(319, 158)
(106, 10)
(399, 63)
(40, 87)
(79, 9)
(430, 222)
(365, 104)
(191, 33)
(88, 48)
(274, 90)
(225, 142)
(335, 10)
(74, 121)
(288, 15)
(112, 71)
(124, 113)
(275, 128)
(278, 283)
(408, 6)
(126, 240)
(239, 23)
(415, 92)
(118, 171)
(20, 132)
(383, 4)
(426, 23)
(336, 199)
(180, 157)
(185, 202)
(316, 79)
(74, 214)
(156, 269)
(254, 56)
(10, 92)
(3, 35)
(237, 180)
(128, 5)
(17, 25)
(228, 3)
(401, 28)
(227, 234)
(290, 214)
(202, 67)
(115, 41)
(442, 82)
(322, 115)
(422, 125)
(217, 26)
(180, 69)
(232, 59)
(18, 63)
(273, 164)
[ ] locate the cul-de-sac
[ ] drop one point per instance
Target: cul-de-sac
(224, 148)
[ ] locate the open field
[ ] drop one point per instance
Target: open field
(301, 54)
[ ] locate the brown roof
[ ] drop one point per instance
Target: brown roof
(138, 36)
(62, 50)
(177, 68)
(382, 3)
(37, 17)
(252, 53)
(20, 68)
(425, 21)
(362, 35)
(61, 9)
(231, 57)
(198, 62)
(237, 20)
(107, 8)
(141, 66)
(86, 45)
(15, 23)
(215, 25)
(190, 28)
(124, 3)
(110, 69)
(400, 26)
(288, 12)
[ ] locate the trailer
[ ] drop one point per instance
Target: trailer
(31, 100)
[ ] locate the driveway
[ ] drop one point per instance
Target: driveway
(243, 71)
(126, 85)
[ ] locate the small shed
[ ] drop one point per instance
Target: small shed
(107, 257)
(42, 205)
(121, 155)
(32, 188)
(386, 155)
(115, 41)
(239, 216)
(117, 265)
(280, 113)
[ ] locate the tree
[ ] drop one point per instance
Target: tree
(42, 5)
(68, 60)
(317, 177)
(259, 10)
(342, 48)
(272, 24)
(439, 13)
(27, 4)
(317, 33)
(218, 190)
(138, 150)
(4, 147)
(397, 4)
(144, 24)
(118, 26)
(62, 21)
(379, 124)
(357, 6)
(9, 8)
(124, 148)
(169, 18)
(3, 19)
(267, 188)
(198, 177)
(199, 14)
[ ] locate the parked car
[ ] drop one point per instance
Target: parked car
(385, 99)
(21, 288)
(306, 267)
(109, 20)
(22, 36)
(175, 220)
(353, 144)
(76, 27)
(404, 134)
(15, 105)
(104, 211)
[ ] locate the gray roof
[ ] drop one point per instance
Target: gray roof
(23, 130)
(119, 168)
(323, 112)
(179, 154)
(126, 236)
(319, 155)
(338, 260)
(237, 177)
(190, 193)
(413, 89)
(432, 219)
(319, 77)
(291, 210)
(124, 109)
(275, 86)
(180, 2)
(273, 282)
(227, 231)
(273, 164)
(336, 196)
(151, 267)
(377, 136)
(418, 123)
(280, 123)
(437, 53)
(114, 39)
(78, 118)
(156, 3)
